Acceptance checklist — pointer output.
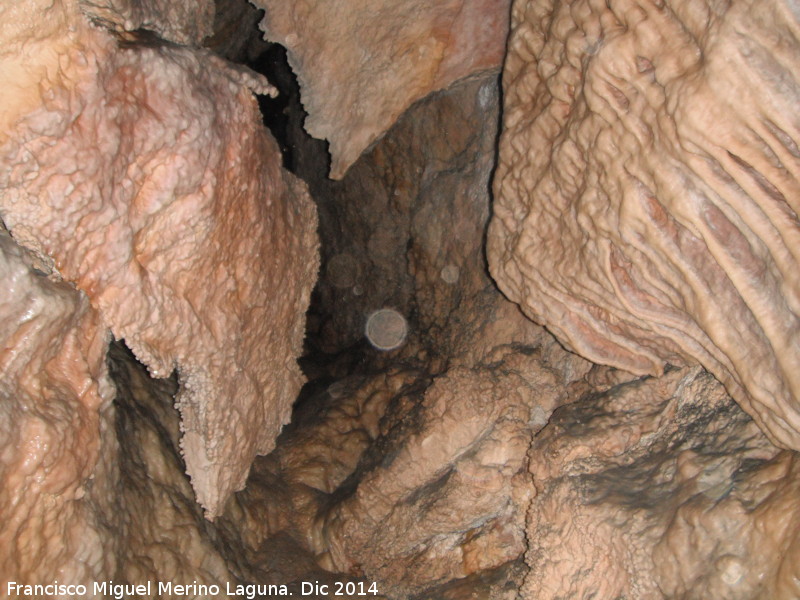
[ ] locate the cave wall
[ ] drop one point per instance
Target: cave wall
(151, 205)
(362, 63)
(502, 464)
(57, 445)
(647, 189)
(477, 457)
(409, 467)
(127, 170)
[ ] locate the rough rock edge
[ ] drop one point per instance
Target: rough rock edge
(217, 466)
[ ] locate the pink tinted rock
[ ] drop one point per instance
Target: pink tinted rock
(361, 64)
(144, 171)
(56, 431)
(647, 191)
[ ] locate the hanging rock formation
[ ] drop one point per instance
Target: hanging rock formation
(142, 169)
(647, 190)
(361, 63)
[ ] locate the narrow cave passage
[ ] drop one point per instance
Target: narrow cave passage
(402, 234)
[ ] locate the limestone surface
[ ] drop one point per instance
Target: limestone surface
(647, 190)
(452, 500)
(57, 445)
(185, 22)
(660, 488)
(412, 469)
(142, 169)
(416, 208)
(463, 453)
(361, 63)
(161, 532)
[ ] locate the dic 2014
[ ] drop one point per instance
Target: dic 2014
(349, 588)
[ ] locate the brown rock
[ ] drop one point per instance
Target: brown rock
(647, 191)
(144, 171)
(415, 208)
(660, 488)
(451, 500)
(438, 492)
(477, 459)
(361, 63)
(160, 527)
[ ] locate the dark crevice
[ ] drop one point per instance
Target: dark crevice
(284, 115)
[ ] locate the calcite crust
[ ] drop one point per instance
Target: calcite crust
(361, 63)
(144, 171)
(184, 22)
(56, 447)
(647, 190)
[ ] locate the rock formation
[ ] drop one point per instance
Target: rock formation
(143, 171)
(186, 22)
(445, 445)
(361, 63)
(647, 189)
(657, 488)
(452, 405)
(493, 443)
(57, 447)
(162, 535)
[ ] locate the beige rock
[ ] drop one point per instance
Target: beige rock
(160, 528)
(738, 537)
(145, 172)
(661, 488)
(647, 191)
(451, 501)
(362, 63)
(184, 22)
(314, 457)
(477, 458)
(439, 489)
(57, 447)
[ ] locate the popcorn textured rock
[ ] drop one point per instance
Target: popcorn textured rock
(144, 171)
